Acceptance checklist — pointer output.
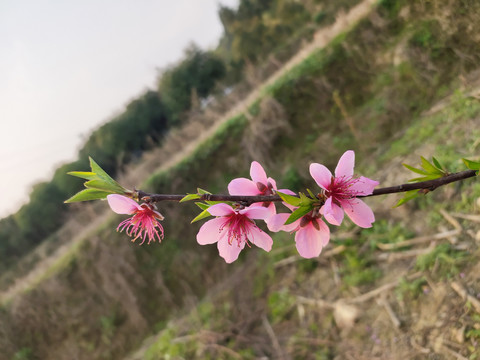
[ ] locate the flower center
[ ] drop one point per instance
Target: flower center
(311, 218)
(238, 227)
(144, 223)
(341, 188)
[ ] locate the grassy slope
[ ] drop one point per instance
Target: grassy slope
(396, 64)
(310, 304)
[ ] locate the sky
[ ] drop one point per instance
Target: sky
(67, 67)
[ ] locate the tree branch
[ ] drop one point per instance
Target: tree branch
(429, 185)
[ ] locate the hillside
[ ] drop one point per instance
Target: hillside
(400, 83)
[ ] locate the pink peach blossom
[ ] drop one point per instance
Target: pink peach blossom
(341, 191)
(311, 233)
(259, 185)
(145, 219)
(233, 228)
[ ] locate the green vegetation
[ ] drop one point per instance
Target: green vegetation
(196, 75)
(407, 289)
(280, 304)
(386, 89)
(23, 354)
(358, 270)
(444, 259)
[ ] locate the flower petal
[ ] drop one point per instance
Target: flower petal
(309, 241)
(271, 207)
(228, 251)
(332, 212)
(210, 232)
(287, 191)
(364, 186)
(122, 204)
(273, 182)
(345, 164)
(359, 212)
(276, 223)
(256, 211)
(260, 238)
(257, 173)
(242, 186)
(220, 210)
(321, 175)
(324, 232)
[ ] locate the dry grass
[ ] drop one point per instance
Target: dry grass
(264, 128)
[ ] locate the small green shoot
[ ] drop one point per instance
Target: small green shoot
(429, 171)
(472, 165)
(98, 185)
(190, 197)
(303, 203)
(203, 205)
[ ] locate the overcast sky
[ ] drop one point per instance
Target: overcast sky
(68, 66)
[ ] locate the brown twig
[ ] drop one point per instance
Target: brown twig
(407, 253)
(393, 317)
(294, 258)
(460, 290)
(273, 338)
(429, 185)
(418, 240)
(475, 218)
(371, 294)
(445, 349)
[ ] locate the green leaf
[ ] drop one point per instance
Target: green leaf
(415, 170)
(472, 165)
(429, 167)
(298, 213)
(203, 192)
(102, 185)
(99, 171)
(88, 194)
(99, 184)
(289, 199)
(312, 195)
(83, 175)
(105, 177)
(190, 197)
(202, 206)
(409, 195)
(426, 178)
(218, 202)
(204, 214)
(438, 165)
(306, 200)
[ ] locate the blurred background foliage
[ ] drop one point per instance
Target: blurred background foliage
(252, 31)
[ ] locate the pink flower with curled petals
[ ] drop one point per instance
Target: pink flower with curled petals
(259, 185)
(311, 233)
(340, 192)
(145, 219)
(232, 229)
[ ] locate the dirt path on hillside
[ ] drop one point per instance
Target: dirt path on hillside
(321, 38)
